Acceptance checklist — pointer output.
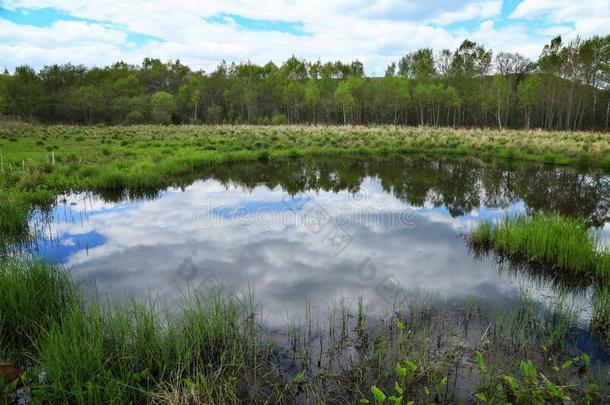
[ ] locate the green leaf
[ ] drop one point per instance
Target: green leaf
(554, 390)
(528, 369)
(480, 396)
(411, 365)
(400, 325)
(398, 388)
(395, 400)
(364, 401)
(442, 384)
(400, 371)
(300, 377)
(378, 394)
(512, 383)
(566, 364)
(480, 361)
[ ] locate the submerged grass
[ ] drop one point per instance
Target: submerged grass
(600, 318)
(561, 243)
(215, 349)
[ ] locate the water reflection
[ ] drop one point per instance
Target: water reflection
(315, 230)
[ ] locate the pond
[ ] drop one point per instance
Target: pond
(316, 230)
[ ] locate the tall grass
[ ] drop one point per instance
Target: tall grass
(125, 352)
(33, 295)
(13, 217)
(212, 349)
(600, 318)
(564, 244)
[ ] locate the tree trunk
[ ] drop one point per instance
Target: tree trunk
(607, 113)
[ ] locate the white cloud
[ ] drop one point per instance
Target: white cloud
(471, 11)
(590, 17)
(59, 34)
(376, 32)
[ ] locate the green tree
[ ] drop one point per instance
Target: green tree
(163, 106)
(498, 98)
(343, 97)
(527, 94)
(313, 97)
(189, 97)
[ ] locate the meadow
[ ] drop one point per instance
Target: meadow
(64, 157)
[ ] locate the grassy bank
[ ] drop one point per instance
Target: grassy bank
(214, 348)
(37, 162)
(141, 156)
(561, 244)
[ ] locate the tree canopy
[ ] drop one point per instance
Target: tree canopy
(568, 87)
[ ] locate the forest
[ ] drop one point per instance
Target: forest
(567, 88)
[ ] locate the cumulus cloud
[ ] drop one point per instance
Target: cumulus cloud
(485, 9)
(202, 34)
(591, 17)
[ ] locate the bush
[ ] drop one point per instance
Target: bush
(111, 179)
(279, 119)
(134, 117)
(263, 121)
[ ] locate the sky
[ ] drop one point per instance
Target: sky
(203, 33)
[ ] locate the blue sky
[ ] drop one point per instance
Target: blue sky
(99, 32)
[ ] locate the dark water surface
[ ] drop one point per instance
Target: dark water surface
(319, 229)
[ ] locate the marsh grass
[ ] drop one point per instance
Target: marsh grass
(33, 296)
(216, 349)
(600, 318)
(109, 351)
(58, 159)
(13, 217)
(561, 243)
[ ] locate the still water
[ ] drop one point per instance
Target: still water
(317, 230)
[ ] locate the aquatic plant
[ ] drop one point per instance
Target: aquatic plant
(214, 348)
(33, 295)
(564, 244)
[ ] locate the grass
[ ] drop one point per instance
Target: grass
(560, 243)
(47, 160)
(13, 216)
(88, 157)
(600, 319)
(214, 348)
(33, 296)
(108, 351)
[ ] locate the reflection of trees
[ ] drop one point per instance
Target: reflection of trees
(458, 185)
(566, 191)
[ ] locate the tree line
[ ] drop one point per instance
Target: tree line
(567, 88)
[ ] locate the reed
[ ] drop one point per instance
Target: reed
(33, 296)
(560, 243)
(215, 349)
